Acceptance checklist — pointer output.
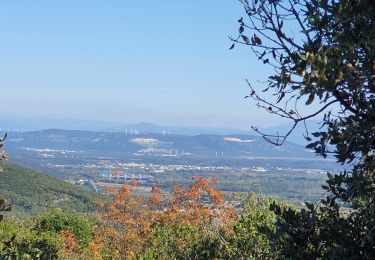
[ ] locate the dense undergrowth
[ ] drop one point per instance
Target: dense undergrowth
(193, 223)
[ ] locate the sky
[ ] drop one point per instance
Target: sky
(165, 62)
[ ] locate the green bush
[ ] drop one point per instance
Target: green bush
(251, 236)
(57, 220)
(17, 241)
(181, 242)
(253, 232)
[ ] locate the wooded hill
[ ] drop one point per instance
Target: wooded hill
(32, 192)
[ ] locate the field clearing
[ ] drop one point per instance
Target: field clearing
(138, 190)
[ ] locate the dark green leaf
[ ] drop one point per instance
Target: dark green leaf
(310, 99)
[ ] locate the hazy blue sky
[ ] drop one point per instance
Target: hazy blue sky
(165, 62)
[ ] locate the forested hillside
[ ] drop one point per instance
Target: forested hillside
(32, 192)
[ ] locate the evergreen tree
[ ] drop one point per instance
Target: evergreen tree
(323, 55)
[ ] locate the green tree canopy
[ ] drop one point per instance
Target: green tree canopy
(322, 53)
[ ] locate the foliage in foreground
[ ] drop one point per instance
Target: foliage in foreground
(53, 235)
(194, 223)
(322, 55)
(199, 212)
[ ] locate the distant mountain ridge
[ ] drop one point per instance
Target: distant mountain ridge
(152, 144)
(36, 124)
